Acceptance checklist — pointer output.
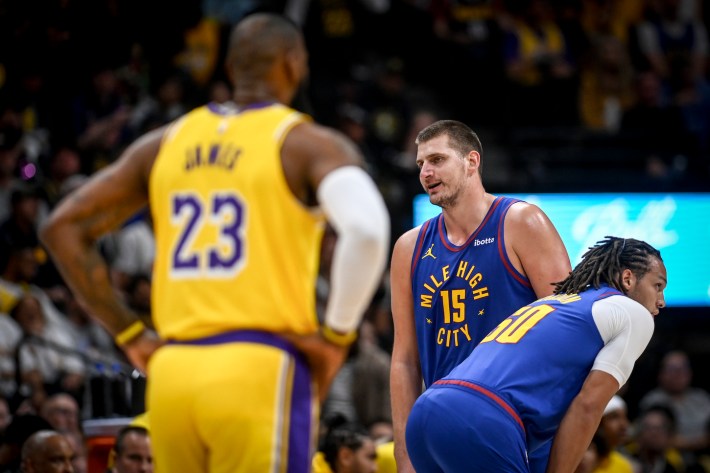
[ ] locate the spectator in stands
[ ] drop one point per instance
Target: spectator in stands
(61, 410)
(702, 457)
(538, 66)
(47, 360)
(20, 227)
(345, 448)
(667, 33)
(132, 451)
(100, 118)
(468, 40)
(360, 391)
(80, 462)
(64, 163)
(658, 128)
(690, 405)
(653, 442)
(10, 336)
(47, 451)
(18, 278)
(92, 338)
(692, 95)
(20, 429)
(131, 250)
(606, 84)
(611, 435)
(611, 17)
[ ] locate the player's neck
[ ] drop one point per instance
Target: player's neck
(464, 217)
(250, 94)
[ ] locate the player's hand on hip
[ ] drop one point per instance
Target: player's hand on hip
(140, 349)
(324, 358)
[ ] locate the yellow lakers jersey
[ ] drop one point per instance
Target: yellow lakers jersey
(235, 248)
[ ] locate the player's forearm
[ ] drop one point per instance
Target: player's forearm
(86, 273)
(573, 438)
(405, 387)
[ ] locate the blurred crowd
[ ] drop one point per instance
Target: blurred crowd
(624, 84)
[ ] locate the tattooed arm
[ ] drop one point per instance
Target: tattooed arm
(101, 205)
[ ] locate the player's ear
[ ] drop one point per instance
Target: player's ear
(628, 280)
(474, 160)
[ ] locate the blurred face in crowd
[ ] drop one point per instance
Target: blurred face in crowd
(25, 264)
(615, 427)
(654, 432)
(675, 375)
(79, 462)
(135, 455)
(53, 455)
(26, 209)
(29, 316)
(362, 460)
(62, 413)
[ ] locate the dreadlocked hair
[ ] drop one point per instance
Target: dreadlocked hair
(604, 262)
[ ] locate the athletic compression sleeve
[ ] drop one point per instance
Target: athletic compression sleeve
(355, 208)
(626, 328)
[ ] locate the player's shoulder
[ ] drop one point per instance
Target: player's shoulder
(310, 140)
(624, 313)
(526, 219)
(521, 210)
(404, 246)
(624, 304)
(409, 238)
(310, 132)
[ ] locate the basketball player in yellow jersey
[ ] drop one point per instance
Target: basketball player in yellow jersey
(239, 197)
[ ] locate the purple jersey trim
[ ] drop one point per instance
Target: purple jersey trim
(248, 336)
(450, 246)
(418, 249)
(222, 110)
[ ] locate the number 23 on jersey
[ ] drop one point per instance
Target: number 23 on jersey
(209, 239)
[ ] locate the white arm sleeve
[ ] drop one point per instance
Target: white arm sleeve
(626, 328)
(355, 208)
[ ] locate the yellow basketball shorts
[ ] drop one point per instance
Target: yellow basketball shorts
(237, 402)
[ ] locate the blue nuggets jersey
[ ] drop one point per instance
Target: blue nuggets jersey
(520, 359)
(462, 292)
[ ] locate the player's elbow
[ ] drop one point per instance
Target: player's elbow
(373, 240)
(369, 235)
(588, 408)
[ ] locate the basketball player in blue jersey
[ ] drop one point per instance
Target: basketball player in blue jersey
(458, 275)
(240, 195)
(548, 371)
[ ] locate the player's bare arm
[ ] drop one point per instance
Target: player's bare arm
(405, 371)
(535, 248)
(312, 157)
(101, 205)
(581, 421)
(310, 152)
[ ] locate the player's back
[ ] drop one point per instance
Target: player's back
(235, 248)
(538, 358)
